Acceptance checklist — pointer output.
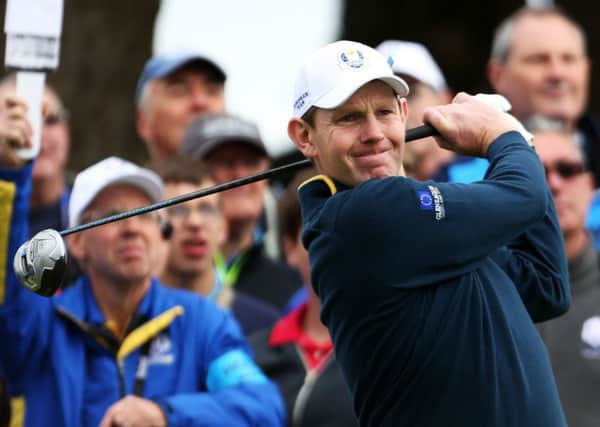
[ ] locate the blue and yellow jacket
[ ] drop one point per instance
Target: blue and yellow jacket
(430, 292)
(65, 368)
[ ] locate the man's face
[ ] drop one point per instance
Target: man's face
(55, 136)
(198, 229)
(122, 251)
(171, 105)
(361, 139)
(238, 160)
(573, 189)
(55, 141)
(546, 71)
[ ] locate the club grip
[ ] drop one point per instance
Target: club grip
(419, 132)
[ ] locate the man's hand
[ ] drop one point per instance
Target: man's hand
(132, 411)
(467, 125)
(15, 131)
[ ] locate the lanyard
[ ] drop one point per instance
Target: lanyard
(142, 370)
(217, 286)
(230, 272)
(140, 373)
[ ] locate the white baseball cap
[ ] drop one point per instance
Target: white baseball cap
(112, 170)
(336, 71)
(414, 60)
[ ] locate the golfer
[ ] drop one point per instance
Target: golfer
(430, 291)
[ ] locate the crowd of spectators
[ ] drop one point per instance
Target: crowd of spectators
(204, 313)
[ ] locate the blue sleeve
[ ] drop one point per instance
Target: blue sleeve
(238, 393)
(537, 263)
(413, 234)
(24, 316)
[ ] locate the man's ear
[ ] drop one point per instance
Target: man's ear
(223, 230)
(403, 107)
(591, 181)
(301, 133)
(287, 245)
(76, 247)
(142, 125)
(494, 73)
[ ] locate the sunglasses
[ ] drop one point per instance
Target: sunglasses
(565, 170)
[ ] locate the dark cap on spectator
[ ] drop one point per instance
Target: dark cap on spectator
(161, 66)
(212, 131)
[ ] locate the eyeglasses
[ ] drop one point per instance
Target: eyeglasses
(565, 169)
(56, 117)
(179, 212)
(90, 216)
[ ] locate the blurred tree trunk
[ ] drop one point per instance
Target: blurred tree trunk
(103, 49)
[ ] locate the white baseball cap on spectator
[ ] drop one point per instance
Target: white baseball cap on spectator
(336, 71)
(414, 60)
(112, 170)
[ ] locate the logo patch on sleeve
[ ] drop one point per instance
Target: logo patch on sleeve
(432, 200)
(425, 200)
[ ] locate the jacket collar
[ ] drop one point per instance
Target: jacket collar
(156, 312)
(78, 301)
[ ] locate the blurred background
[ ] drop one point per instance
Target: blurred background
(261, 44)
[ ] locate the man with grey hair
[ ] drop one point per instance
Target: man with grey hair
(173, 90)
(539, 61)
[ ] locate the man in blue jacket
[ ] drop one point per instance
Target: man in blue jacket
(117, 348)
(429, 290)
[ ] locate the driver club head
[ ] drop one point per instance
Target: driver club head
(40, 262)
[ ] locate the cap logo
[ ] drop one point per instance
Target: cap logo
(351, 59)
(300, 101)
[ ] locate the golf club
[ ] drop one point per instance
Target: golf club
(40, 262)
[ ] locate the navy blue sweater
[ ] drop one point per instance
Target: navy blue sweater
(430, 292)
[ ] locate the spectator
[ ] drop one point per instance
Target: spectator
(412, 62)
(15, 132)
(50, 186)
(297, 353)
(539, 62)
(429, 290)
(195, 230)
(232, 148)
(173, 90)
(117, 348)
(572, 339)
